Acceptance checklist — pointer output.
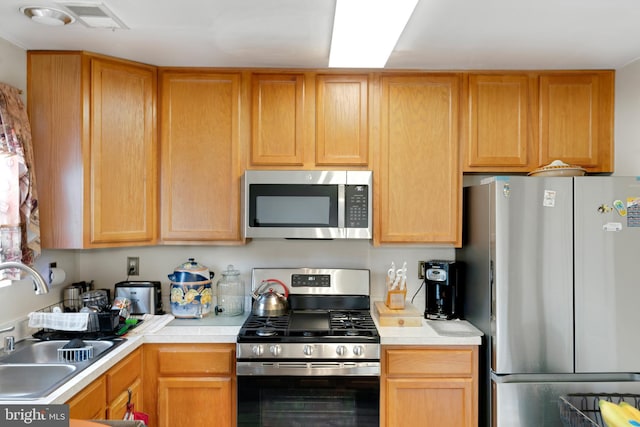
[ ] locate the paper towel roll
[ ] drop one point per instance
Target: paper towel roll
(56, 276)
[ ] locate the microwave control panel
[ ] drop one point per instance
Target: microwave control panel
(356, 202)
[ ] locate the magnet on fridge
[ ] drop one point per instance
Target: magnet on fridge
(604, 208)
(619, 206)
(612, 226)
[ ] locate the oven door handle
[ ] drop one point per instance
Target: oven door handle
(306, 369)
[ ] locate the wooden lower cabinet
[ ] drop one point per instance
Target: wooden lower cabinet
(429, 386)
(190, 384)
(107, 396)
(90, 403)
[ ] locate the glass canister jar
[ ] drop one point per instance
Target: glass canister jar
(230, 290)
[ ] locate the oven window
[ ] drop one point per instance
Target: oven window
(293, 205)
(284, 401)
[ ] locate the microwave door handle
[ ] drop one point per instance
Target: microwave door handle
(341, 204)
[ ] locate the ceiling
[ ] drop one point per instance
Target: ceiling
(442, 34)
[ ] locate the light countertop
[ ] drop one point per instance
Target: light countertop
(220, 329)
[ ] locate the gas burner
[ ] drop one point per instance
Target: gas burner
(265, 332)
(352, 322)
(257, 322)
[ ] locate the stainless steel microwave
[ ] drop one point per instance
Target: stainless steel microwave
(307, 204)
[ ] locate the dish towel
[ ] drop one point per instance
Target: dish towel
(59, 321)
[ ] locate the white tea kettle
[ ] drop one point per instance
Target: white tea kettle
(270, 303)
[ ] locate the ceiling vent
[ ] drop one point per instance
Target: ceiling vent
(94, 15)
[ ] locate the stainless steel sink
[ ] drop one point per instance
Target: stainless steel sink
(36, 368)
(47, 351)
(31, 381)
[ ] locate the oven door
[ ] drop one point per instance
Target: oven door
(298, 397)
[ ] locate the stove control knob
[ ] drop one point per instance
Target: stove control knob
(257, 350)
(341, 350)
(275, 349)
(358, 350)
(307, 350)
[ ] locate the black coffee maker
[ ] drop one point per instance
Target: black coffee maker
(443, 300)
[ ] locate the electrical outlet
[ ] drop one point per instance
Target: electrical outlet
(133, 266)
(421, 265)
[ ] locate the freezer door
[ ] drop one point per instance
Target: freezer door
(532, 290)
(607, 274)
(534, 402)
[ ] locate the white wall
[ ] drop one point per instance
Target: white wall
(13, 66)
(108, 266)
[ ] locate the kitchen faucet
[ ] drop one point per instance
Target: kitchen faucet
(41, 286)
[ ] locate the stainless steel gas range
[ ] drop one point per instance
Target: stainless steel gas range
(317, 364)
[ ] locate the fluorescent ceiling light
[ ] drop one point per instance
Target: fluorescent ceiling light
(366, 31)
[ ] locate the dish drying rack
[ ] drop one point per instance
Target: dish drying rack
(583, 410)
(56, 324)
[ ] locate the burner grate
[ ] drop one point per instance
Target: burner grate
(352, 321)
(341, 324)
(265, 326)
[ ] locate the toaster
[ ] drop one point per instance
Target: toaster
(145, 297)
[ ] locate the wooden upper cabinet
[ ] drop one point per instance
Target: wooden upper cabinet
(277, 119)
(342, 120)
(94, 136)
(500, 123)
(200, 156)
(418, 188)
(576, 119)
(123, 152)
(309, 120)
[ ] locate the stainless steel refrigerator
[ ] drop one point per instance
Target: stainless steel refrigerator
(552, 277)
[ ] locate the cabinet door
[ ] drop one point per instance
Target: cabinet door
(277, 120)
(341, 120)
(123, 153)
(429, 385)
(126, 372)
(576, 119)
(194, 402)
(90, 403)
(200, 146)
(117, 407)
(430, 402)
(190, 383)
(419, 181)
(499, 114)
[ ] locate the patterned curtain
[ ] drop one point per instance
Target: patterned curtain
(19, 220)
